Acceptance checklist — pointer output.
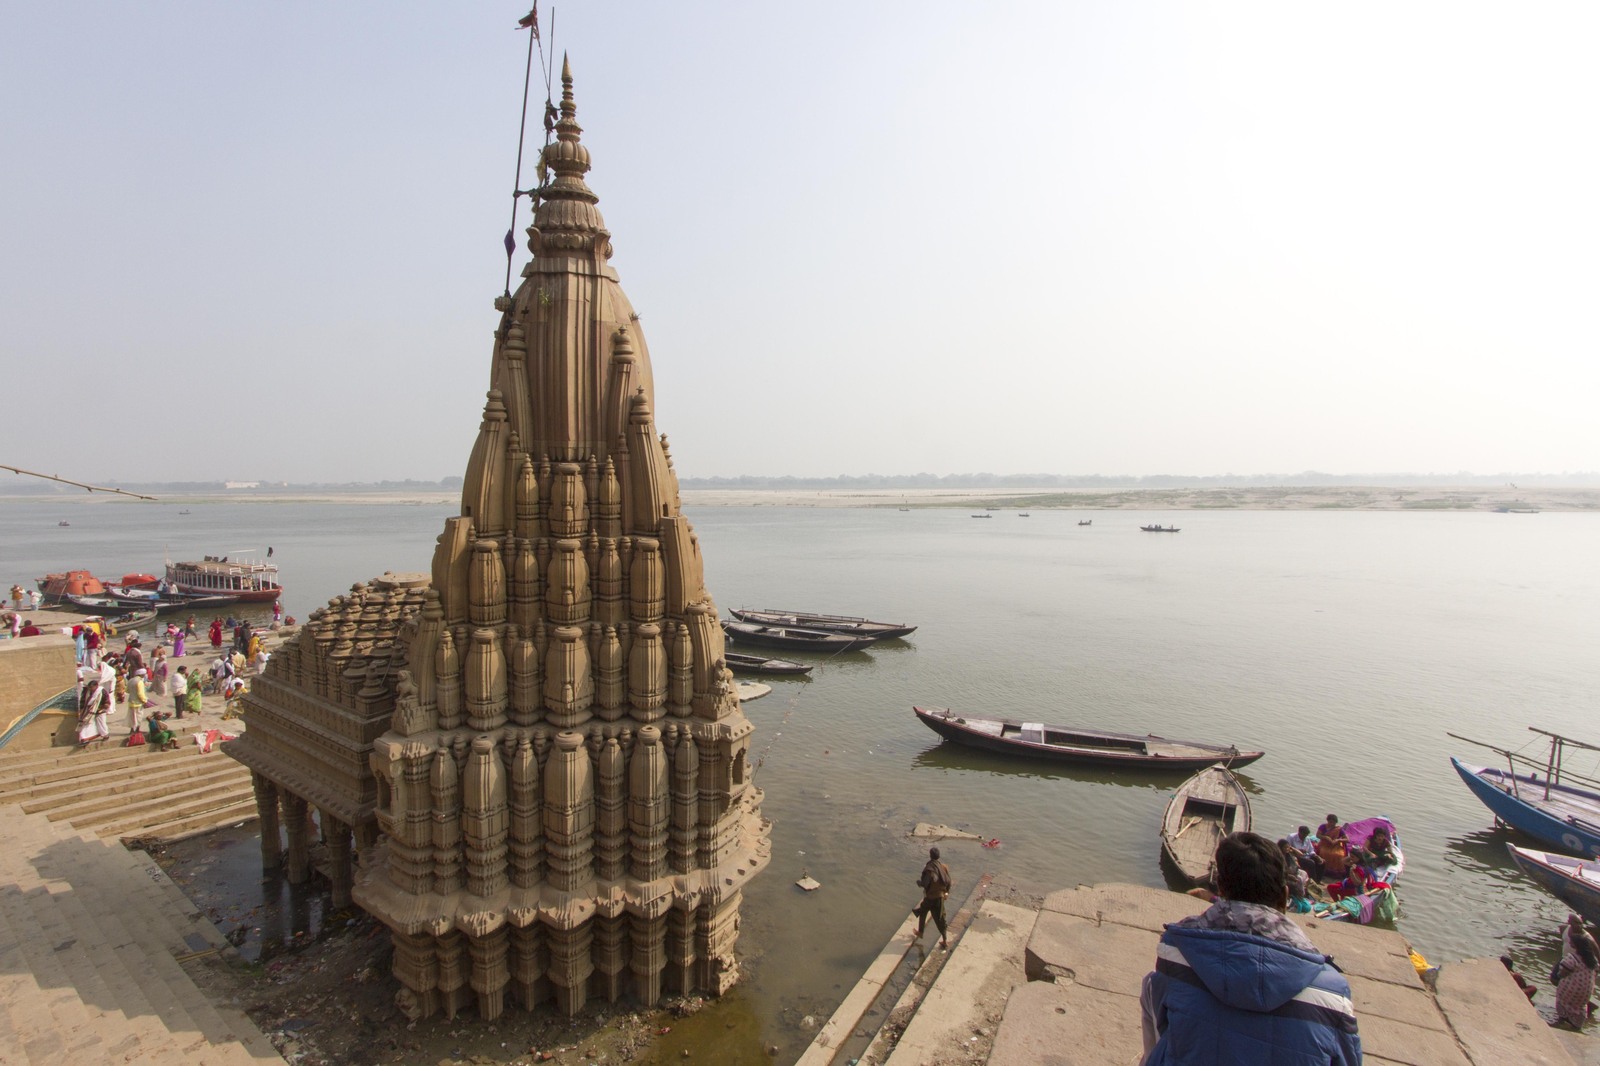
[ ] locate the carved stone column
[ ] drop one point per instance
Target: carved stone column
(648, 956)
(297, 864)
(267, 811)
(679, 951)
(489, 974)
(337, 836)
(416, 967)
(529, 961)
(454, 992)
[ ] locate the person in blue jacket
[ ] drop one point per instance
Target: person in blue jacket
(1241, 983)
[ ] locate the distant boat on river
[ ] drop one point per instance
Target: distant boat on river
(1089, 747)
(1203, 810)
(1087, 522)
(1154, 529)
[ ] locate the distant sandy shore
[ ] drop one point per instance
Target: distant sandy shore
(1278, 498)
(1285, 498)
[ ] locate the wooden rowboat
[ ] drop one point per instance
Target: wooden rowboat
(829, 623)
(792, 637)
(1082, 746)
(1575, 882)
(1203, 810)
(740, 663)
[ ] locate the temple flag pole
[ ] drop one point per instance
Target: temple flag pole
(531, 22)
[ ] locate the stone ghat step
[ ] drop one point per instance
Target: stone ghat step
(56, 756)
(225, 792)
(192, 825)
(90, 937)
(107, 757)
(123, 789)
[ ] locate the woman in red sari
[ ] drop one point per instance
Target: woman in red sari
(216, 633)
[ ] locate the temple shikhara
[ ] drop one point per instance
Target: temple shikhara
(530, 764)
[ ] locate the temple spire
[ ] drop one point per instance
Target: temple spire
(567, 221)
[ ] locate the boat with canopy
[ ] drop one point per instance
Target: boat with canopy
(1542, 798)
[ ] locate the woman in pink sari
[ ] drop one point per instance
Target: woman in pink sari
(158, 671)
(1580, 956)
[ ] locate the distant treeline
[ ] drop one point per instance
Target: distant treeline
(1310, 478)
(22, 486)
(856, 482)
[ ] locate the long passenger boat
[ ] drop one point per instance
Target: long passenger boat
(1560, 808)
(828, 623)
(1083, 746)
(252, 581)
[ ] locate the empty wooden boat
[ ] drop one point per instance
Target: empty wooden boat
(1574, 881)
(1203, 810)
(741, 663)
(829, 623)
(792, 638)
(1083, 746)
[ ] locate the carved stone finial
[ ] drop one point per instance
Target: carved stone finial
(566, 219)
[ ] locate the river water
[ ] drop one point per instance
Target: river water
(1345, 644)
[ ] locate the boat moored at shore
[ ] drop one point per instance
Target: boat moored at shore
(1203, 810)
(1550, 808)
(793, 638)
(1574, 881)
(60, 587)
(828, 623)
(1084, 746)
(250, 581)
(740, 663)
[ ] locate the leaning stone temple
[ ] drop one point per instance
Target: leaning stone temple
(535, 753)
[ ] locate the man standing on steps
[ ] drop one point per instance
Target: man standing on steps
(935, 882)
(180, 689)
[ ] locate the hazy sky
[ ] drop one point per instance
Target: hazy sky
(253, 240)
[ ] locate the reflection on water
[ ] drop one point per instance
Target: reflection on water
(1342, 644)
(947, 755)
(261, 915)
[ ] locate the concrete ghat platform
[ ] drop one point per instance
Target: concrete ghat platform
(1064, 986)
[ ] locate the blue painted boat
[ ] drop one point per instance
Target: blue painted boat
(1575, 882)
(1561, 815)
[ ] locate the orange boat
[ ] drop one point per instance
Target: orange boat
(57, 587)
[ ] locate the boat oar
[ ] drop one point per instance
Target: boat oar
(1190, 824)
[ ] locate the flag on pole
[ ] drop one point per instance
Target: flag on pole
(531, 21)
(511, 245)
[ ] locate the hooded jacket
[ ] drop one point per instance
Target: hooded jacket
(1224, 993)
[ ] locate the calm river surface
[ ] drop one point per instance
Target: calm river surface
(1345, 644)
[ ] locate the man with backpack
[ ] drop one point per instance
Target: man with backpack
(935, 882)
